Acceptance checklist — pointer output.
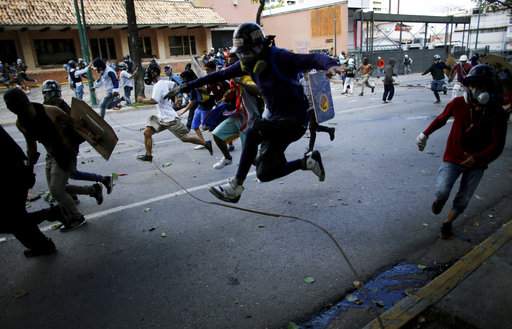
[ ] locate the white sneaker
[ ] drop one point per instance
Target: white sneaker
(199, 147)
(229, 192)
(222, 163)
(314, 163)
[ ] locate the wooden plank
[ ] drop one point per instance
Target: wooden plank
(411, 306)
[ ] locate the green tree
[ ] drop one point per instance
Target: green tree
(494, 5)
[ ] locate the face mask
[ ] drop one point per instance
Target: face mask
(473, 95)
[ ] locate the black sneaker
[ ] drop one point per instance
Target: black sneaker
(75, 199)
(437, 206)
(109, 183)
(49, 249)
(446, 231)
(331, 132)
(208, 146)
(145, 157)
(98, 193)
(231, 147)
(373, 90)
(73, 225)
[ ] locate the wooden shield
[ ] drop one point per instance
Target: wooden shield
(93, 128)
(499, 62)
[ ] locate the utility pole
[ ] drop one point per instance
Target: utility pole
(134, 46)
(477, 24)
(84, 45)
(398, 8)
(335, 52)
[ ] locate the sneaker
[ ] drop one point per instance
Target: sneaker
(437, 206)
(75, 199)
(231, 147)
(446, 231)
(145, 157)
(331, 132)
(384, 102)
(314, 163)
(437, 102)
(73, 225)
(373, 90)
(98, 193)
(208, 146)
(199, 147)
(361, 94)
(49, 249)
(222, 163)
(108, 181)
(229, 192)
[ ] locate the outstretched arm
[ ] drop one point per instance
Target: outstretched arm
(230, 72)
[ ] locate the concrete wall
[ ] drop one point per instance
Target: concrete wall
(300, 32)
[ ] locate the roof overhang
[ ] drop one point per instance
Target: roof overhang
(59, 27)
(378, 17)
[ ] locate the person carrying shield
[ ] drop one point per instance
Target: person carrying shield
(276, 73)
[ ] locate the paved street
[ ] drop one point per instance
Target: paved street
(152, 257)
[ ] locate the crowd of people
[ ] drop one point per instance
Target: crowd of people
(256, 92)
(15, 75)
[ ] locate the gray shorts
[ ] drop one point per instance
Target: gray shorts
(176, 127)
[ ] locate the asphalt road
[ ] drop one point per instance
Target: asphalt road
(222, 268)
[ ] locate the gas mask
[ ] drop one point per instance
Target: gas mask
(249, 56)
(473, 95)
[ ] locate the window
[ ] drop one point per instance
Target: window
(8, 53)
(182, 45)
(147, 51)
(103, 48)
(54, 51)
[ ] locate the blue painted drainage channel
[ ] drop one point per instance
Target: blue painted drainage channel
(384, 290)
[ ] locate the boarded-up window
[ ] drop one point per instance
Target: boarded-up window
(322, 21)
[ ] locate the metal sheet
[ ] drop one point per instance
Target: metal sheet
(93, 128)
(320, 89)
(197, 68)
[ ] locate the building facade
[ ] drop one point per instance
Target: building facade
(46, 38)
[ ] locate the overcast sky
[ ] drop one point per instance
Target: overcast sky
(429, 7)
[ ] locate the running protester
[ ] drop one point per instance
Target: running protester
(52, 95)
(110, 83)
(126, 79)
(459, 71)
(476, 139)
(438, 78)
(366, 70)
(166, 117)
(75, 78)
(350, 74)
(389, 81)
(275, 72)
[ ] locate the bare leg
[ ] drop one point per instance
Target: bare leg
(148, 140)
(193, 139)
(199, 135)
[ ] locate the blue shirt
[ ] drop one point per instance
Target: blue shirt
(278, 81)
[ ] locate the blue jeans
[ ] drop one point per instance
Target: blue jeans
(447, 176)
(85, 176)
(105, 103)
(127, 94)
(79, 92)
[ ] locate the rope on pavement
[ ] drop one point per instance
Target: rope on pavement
(356, 274)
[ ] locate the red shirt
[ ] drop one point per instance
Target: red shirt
(480, 134)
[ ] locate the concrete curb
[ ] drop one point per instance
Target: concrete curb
(413, 305)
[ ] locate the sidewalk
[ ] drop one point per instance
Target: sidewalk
(472, 291)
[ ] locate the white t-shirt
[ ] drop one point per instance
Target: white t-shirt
(166, 112)
(126, 79)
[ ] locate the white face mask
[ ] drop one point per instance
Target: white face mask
(474, 95)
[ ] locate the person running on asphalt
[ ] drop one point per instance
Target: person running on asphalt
(75, 77)
(389, 87)
(166, 117)
(407, 64)
(437, 70)
(108, 79)
(476, 139)
(350, 74)
(275, 71)
(52, 95)
(366, 70)
(53, 128)
(18, 176)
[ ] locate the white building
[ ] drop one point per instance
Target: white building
(495, 31)
(380, 6)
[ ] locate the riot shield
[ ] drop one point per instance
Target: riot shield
(320, 89)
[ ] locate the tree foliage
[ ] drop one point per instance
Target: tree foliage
(494, 5)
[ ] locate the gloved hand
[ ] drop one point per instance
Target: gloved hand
(177, 90)
(421, 141)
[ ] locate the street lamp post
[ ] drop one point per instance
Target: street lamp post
(477, 24)
(84, 45)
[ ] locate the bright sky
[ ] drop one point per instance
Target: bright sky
(429, 7)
